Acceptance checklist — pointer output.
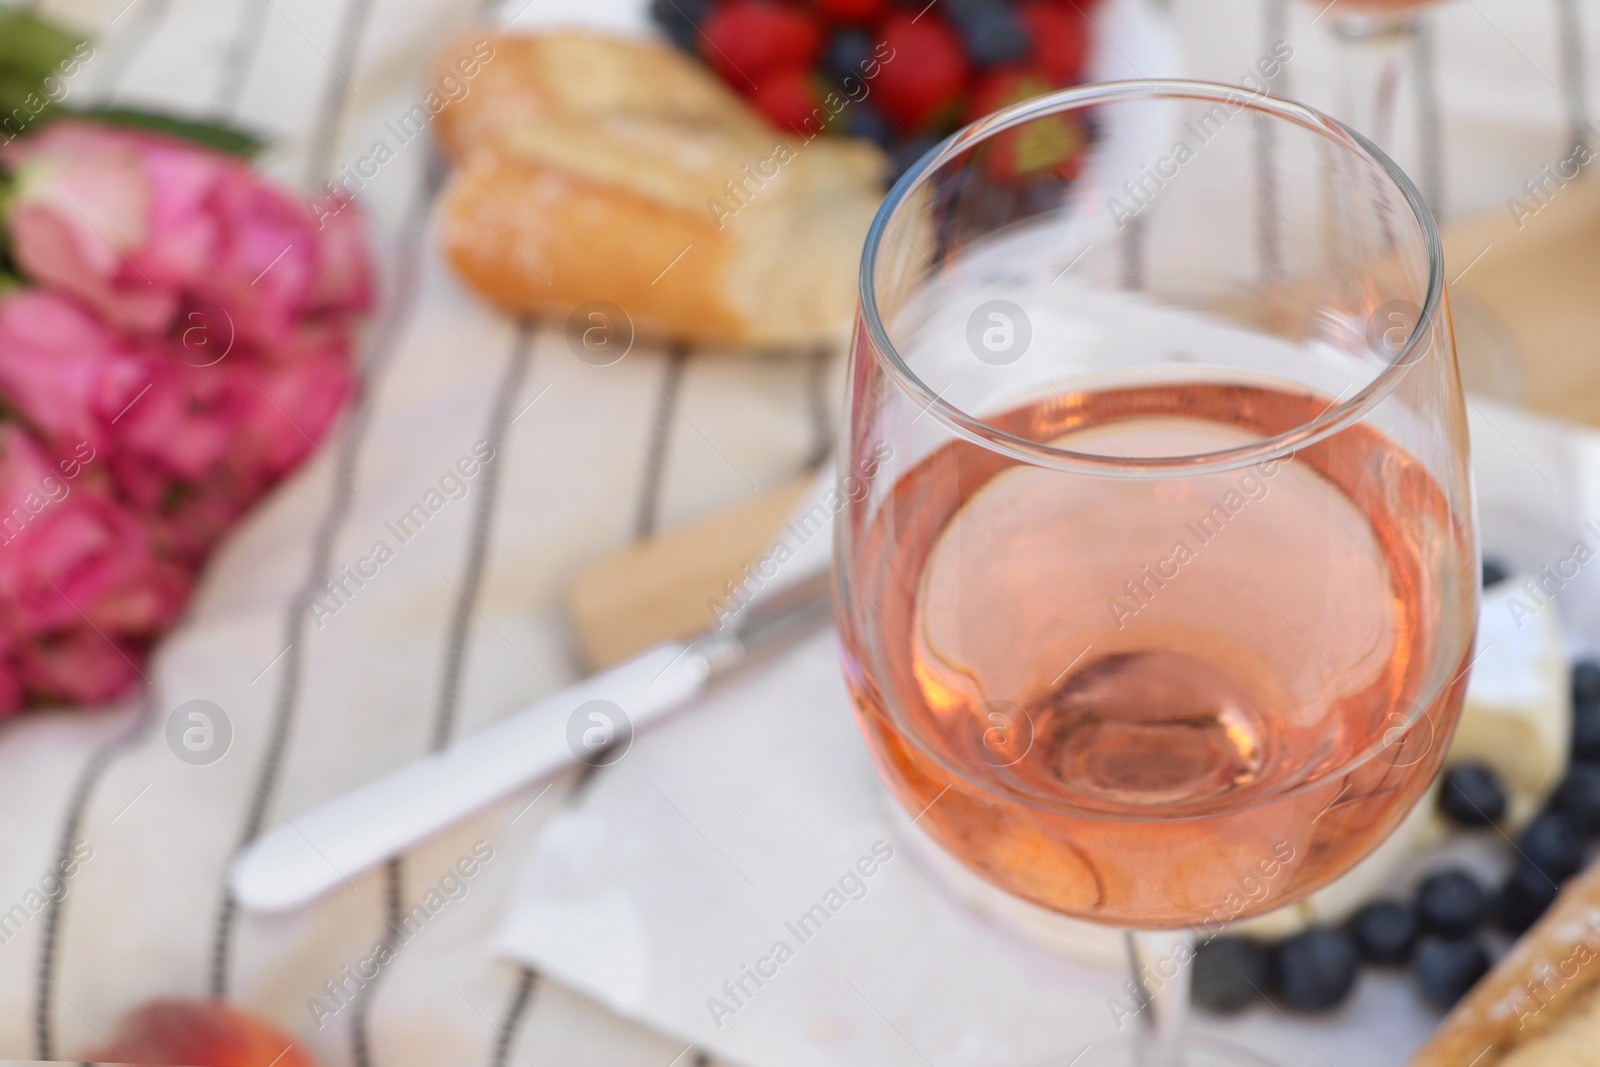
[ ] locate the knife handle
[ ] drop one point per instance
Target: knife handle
(317, 851)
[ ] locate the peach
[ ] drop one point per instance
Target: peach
(199, 1033)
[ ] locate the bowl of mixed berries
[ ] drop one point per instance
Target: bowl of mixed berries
(901, 73)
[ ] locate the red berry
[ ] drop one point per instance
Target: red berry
(1002, 87)
(1060, 39)
(744, 39)
(789, 99)
(923, 70)
(1050, 143)
(851, 12)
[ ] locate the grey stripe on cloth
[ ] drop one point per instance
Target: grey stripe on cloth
(521, 998)
(336, 91)
(1269, 231)
(1430, 119)
(1132, 248)
(822, 405)
(1276, 28)
(655, 456)
(444, 722)
(148, 18)
(655, 468)
(240, 58)
(393, 887)
(516, 373)
(66, 840)
(1574, 76)
(392, 327)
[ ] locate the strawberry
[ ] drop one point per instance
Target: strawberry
(923, 71)
(1049, 143)
(1060, 39)
(789, 99)
(745, 39)
(851, 12)
(1004, 86)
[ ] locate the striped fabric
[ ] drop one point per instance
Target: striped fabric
(464, 624)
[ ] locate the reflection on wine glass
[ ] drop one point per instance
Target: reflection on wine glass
(1158, 609)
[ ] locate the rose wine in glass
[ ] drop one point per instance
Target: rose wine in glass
(1159, 608)
(1205, 743)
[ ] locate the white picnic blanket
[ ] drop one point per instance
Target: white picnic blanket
(465, 624)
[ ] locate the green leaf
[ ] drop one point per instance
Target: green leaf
(31, 48)
(10, 276)
(14, 91)
(214, 135)
(36, 59)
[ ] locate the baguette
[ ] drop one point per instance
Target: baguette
(574, 74)
(596, 169)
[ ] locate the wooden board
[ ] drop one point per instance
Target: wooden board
(668, 587)
(1525, 297)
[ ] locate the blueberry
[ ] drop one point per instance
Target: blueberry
(1578, 796)
(1494, 572)
(680, 20)
(1586, 680)
(904, 153)
(993, 35)
(1586, 728)
(961, 11)
(1472, 795)
(1524, 897)
(847, 54)
(1384, 932)
(1553, 845)
(1230, 974)
(864, 120)
(1450, 902)
(1448, 967)
(1317, 968)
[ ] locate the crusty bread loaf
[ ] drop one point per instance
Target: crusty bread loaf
(1540, 1005)
(594, 168)
(575, 74)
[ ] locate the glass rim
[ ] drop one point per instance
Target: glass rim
(1335, 417)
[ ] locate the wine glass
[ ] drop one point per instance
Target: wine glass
(1375, 39)
(1157, 581)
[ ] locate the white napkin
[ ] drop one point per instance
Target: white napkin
(672, 890)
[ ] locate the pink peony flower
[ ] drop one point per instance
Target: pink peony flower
(291, 400)
(191, 445)
(83, 589)
(187, 344)
(213, 439)
(136, 225)
(65, 370)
